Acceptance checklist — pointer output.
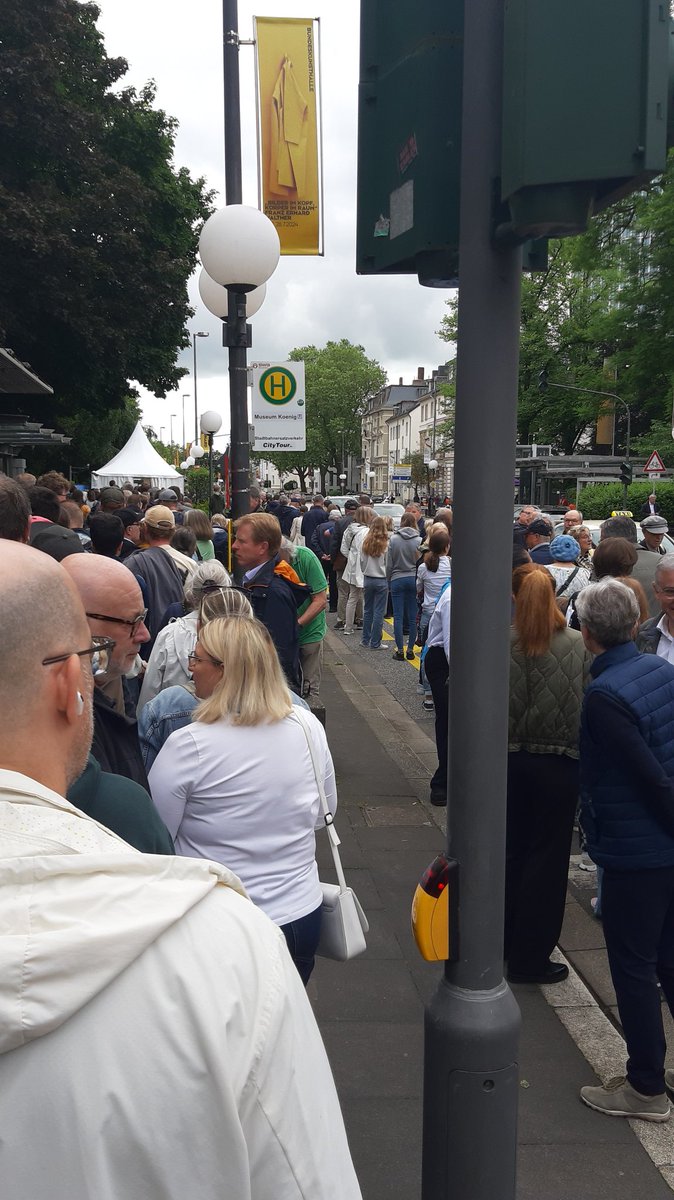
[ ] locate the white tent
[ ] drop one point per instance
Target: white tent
(136, 460)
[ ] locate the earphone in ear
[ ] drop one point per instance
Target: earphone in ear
(79, 705)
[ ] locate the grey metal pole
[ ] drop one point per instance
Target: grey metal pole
(236, 321)
(472, 1023)
(196, 411)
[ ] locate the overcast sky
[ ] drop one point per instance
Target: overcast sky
(309, 300)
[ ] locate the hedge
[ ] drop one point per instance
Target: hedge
(599, 500)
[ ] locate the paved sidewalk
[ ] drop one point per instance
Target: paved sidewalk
(371, 1010)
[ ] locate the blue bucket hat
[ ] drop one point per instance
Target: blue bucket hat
(564, 548)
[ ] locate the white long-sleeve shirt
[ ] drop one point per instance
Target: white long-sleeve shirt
(438, 627)
(246, 796)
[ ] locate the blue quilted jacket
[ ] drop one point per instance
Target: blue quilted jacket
(619, 805)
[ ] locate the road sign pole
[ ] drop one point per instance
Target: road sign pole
(472, 1023)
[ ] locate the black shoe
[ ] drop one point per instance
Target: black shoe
(553, 972)
(410, 654)
(439, 797)
(399, 655)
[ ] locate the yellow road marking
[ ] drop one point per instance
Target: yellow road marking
(388, 637)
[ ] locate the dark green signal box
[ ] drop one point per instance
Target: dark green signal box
(409, 139)
(585, 87)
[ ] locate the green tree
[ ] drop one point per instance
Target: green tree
(339, 381)
(600, 318)
(97, 227)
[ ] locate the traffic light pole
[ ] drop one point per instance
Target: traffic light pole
(472, 1023)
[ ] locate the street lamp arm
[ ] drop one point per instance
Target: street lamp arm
(612, 396)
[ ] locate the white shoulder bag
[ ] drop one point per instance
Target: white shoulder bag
(343, 922)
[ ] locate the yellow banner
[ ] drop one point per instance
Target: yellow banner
(288, 131)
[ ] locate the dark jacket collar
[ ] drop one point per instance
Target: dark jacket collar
(612, 657)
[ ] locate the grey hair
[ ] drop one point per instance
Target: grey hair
(289, 547)
(619, 527)
(206, 572)
(608, 610)
(665, 563)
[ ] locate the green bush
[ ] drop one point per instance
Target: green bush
(599, 500)
(196, 485)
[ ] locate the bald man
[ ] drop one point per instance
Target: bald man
(155, 1033)
(46, 681)
(113, 603)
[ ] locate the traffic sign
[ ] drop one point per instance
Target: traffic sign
(655, 465)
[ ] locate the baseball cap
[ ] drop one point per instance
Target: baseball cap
(112, 495)
(129, 516)
(655, 524)
(167, 497)
(159, 517)
(57, 541)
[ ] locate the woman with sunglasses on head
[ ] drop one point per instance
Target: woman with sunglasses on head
(238, 786)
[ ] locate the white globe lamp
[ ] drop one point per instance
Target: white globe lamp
(215, 298)
(239, 247)
(197, 451)
(433, 465)
(211, 422)
(189, 461)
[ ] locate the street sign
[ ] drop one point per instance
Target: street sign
(279, 409)
(655, 465)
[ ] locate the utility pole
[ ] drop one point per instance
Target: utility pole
(472, 1023)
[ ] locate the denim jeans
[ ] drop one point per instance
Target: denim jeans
(424, 622)
(638, 916)
(404, 597)
(302, 938)
(374, 607)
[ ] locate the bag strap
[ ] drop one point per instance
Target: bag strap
(333, 836)
(569, 579)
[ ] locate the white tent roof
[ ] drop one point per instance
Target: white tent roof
(136, 460)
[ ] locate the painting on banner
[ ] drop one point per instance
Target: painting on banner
(279, 407)
(288, 131)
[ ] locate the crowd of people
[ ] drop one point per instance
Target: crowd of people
(154, 705)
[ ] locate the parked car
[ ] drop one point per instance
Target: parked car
(395, 511)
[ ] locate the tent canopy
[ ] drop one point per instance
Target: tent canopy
(137, 460)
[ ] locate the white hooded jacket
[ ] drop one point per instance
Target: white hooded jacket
(155, 1039)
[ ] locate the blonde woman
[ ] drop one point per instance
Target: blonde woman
(375, 588)
(237, 785)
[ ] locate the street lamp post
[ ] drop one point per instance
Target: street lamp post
(342, 480)
(211, 422)
(196, 335)
(186, 396)
(239, 249)
(432, 468)
(162, 429)
(173, 417)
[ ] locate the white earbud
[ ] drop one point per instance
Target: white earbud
(79, 707)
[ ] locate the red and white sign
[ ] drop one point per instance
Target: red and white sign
(655, 465)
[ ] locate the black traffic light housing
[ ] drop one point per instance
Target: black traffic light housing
(543, 380)
(626, 473)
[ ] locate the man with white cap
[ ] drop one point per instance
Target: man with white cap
(654, 529)
(155, 1036)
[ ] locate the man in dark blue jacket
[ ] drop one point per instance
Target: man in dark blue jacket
(315, 516)
(627, 798)
(272, 587)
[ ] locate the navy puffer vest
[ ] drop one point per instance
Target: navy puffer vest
(620, 830)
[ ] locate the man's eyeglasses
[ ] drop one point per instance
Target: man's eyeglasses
(99, 652)
(134, 625)
(194, 658)
(668, 592)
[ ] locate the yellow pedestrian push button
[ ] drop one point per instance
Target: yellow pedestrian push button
(435, 910)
